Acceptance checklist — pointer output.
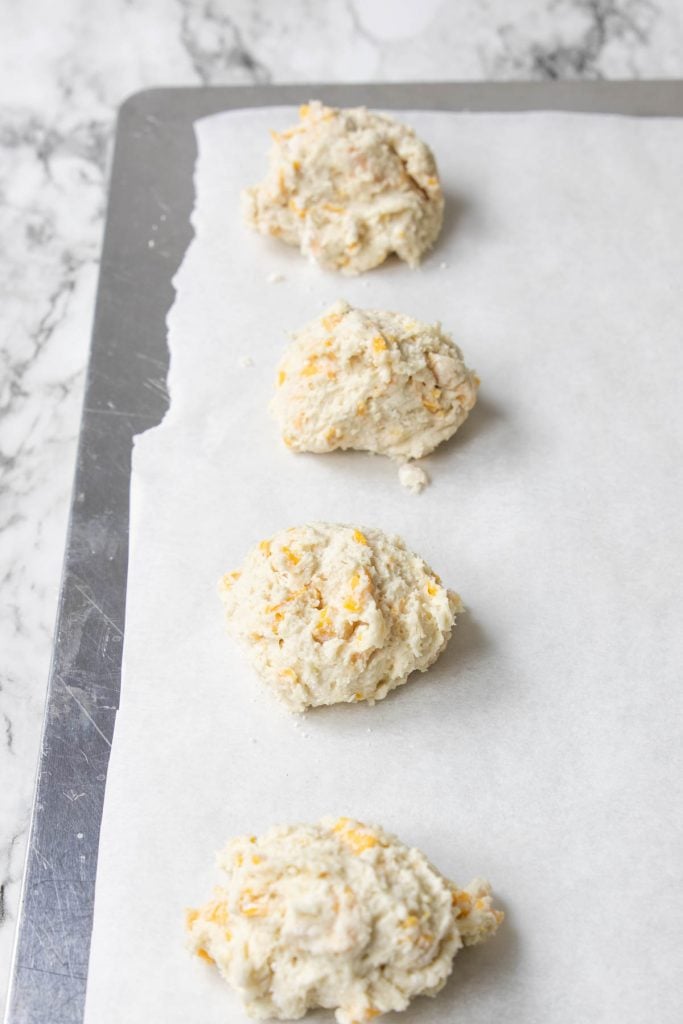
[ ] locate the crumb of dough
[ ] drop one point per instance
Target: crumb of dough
(372, 380)
(349, 188)
(331, 613)
(413, 477)
(339, 915)
(275, 278)
(246, 361)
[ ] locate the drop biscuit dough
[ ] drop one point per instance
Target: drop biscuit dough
(372, 380)
(330, 613)
(338, 915)
(348, 188)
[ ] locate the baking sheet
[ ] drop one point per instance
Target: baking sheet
(543, 749)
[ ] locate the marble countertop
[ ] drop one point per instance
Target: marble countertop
(64, 69)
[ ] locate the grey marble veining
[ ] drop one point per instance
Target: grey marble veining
(64, 68)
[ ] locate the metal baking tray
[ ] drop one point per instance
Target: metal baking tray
(147, 232)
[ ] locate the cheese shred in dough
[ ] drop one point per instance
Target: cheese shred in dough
(372, 380)
(338, 915)
(348, 187)
(331, 613)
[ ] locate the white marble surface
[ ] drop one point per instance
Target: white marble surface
(64, 68)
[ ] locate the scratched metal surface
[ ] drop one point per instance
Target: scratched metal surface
(151, 184)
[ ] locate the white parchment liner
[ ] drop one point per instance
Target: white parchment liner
(544, 749)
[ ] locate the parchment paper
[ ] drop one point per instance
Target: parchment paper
(543, 750)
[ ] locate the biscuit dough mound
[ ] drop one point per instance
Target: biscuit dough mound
(337, 915)
(348, 187)
(330, 613)
(364, 378)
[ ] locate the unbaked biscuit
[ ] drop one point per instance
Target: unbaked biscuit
(369, 379)
(349, 187)
(338, 915)
(331, 613)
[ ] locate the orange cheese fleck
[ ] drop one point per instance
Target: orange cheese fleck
(216, 912)
(230, 578)
(291, 556)
(463, 902)
(251, 903)
(331, 321)
(323, 629)
(357, 840)
(409, 922)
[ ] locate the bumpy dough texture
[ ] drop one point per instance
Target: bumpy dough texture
(349, 188)
(368, 379)
(330, 613)
(337, 915)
